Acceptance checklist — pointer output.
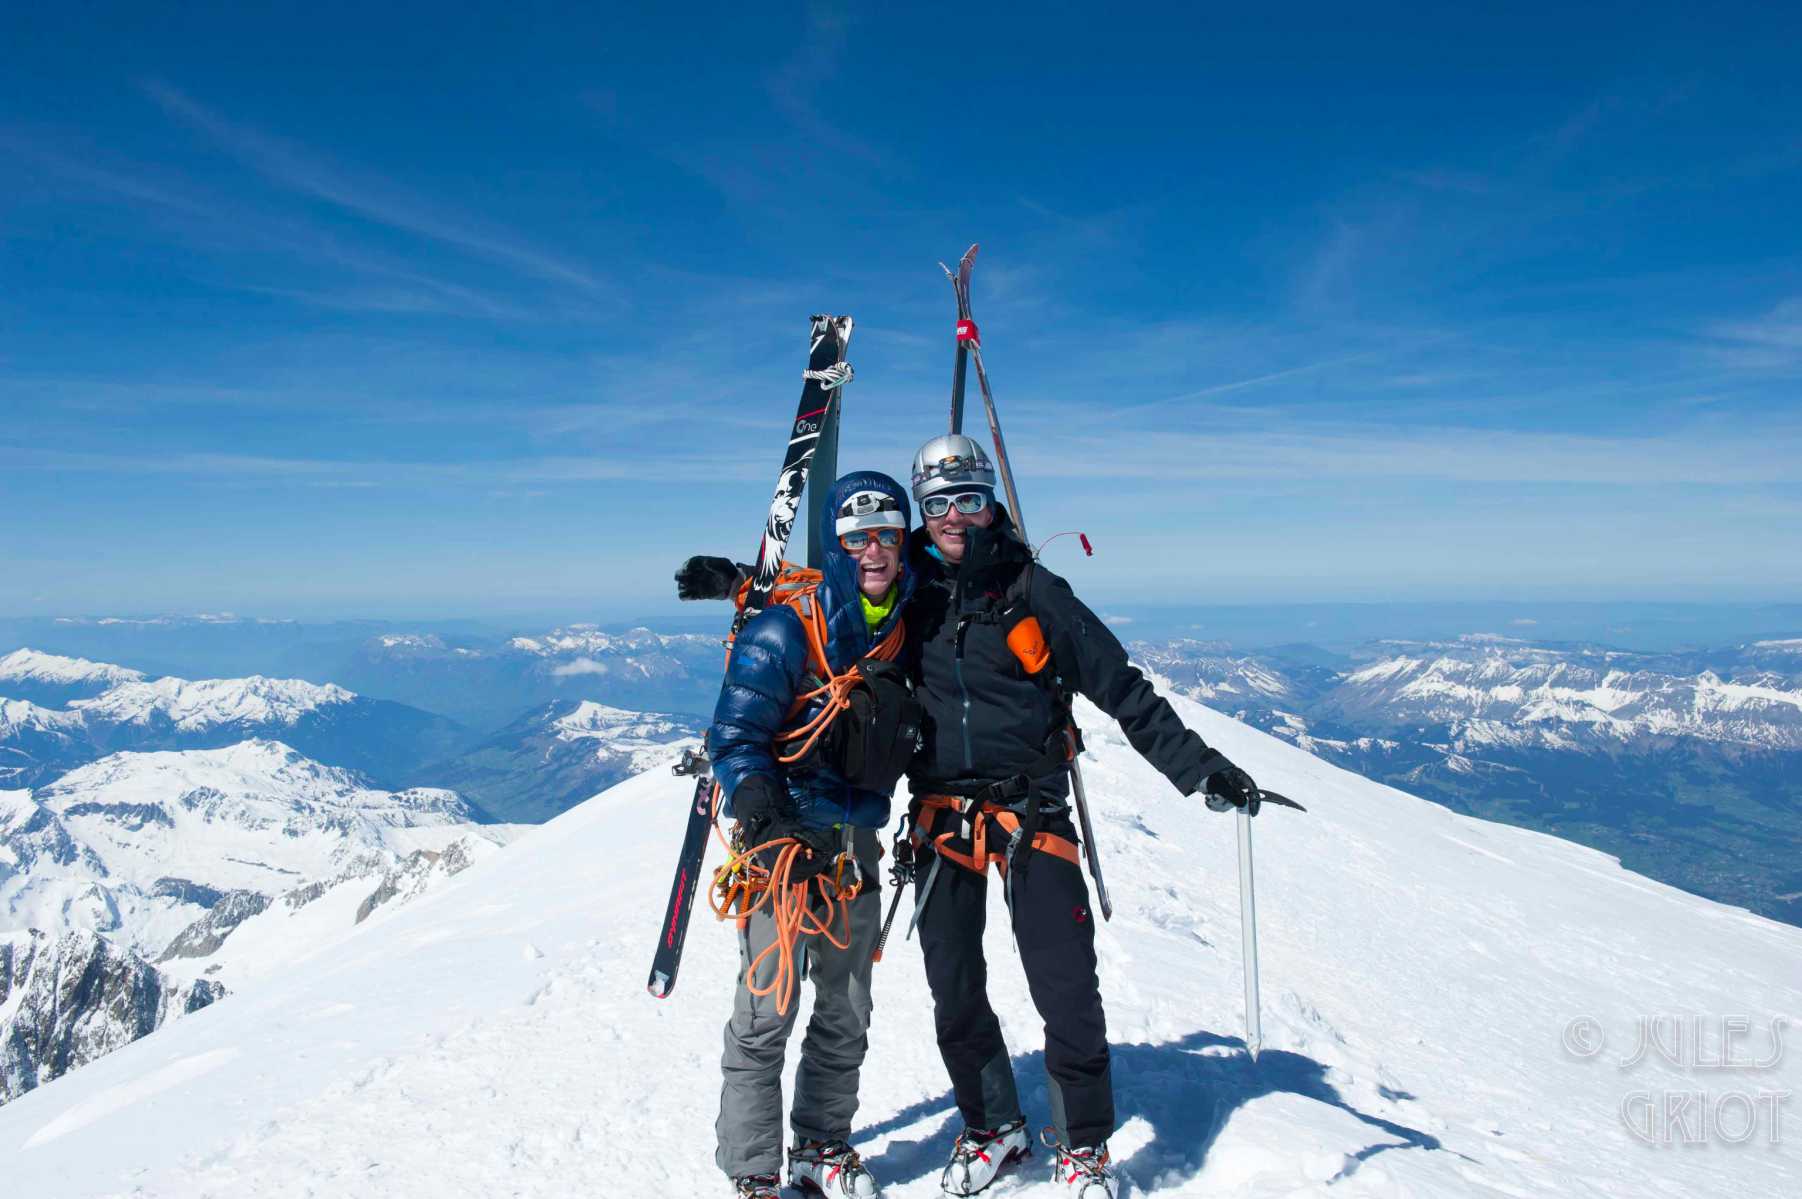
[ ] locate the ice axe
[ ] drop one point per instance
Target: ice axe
(1248, 919)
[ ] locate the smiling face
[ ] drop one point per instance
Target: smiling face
(878, 566)
(950, 532)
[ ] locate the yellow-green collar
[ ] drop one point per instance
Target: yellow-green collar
(875, 613)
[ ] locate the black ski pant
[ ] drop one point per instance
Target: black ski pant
(1056, 937)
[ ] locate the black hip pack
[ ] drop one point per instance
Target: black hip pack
(878, 733)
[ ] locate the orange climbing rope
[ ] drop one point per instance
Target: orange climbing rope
(741, 887)
(836, 690)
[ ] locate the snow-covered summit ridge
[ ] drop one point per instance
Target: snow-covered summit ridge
(192, 704)
(30, 665)
(1419, 970)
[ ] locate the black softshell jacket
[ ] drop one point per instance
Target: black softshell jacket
(986, 719)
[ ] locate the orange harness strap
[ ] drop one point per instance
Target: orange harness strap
(981, 853)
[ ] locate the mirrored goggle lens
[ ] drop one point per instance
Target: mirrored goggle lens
(855, 541)
(968, 502)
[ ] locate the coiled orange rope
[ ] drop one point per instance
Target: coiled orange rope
(741, 887)
(836, 690)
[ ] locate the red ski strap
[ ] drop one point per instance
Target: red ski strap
(966, 331)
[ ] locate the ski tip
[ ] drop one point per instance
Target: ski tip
(659, 985)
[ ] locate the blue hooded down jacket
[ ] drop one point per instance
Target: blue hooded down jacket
(768, 670)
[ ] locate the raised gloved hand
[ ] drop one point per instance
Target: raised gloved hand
(1227, 788)
(705, 578)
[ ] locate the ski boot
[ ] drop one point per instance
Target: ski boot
(1085, 1173)
(757, 1186)
(830, 1168)
(979, 1155)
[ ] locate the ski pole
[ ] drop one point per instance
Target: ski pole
(967, 335)
(1248, 938)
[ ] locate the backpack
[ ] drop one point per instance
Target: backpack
(869, 725)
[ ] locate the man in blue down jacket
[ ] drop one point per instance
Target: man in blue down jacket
(865, 589)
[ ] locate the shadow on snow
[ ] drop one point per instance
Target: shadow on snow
(1186, 1097)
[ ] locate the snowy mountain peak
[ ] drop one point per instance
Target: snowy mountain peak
(591, 719)
(18, 715)
(30, 665)
(204, 703)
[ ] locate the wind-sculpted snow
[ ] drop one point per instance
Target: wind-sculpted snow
(1423, 974)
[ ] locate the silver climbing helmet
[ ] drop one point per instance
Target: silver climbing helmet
(951, 462)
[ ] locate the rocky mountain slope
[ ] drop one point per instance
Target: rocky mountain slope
(560, 754)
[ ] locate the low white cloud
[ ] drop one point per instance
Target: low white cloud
(581, 666)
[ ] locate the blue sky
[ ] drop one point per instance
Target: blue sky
(318, 310)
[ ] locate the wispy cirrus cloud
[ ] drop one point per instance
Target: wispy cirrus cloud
(299, 170)
(1770, 341)
(241, 231)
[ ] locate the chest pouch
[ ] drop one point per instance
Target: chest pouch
(878, 733)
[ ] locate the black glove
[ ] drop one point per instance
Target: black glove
(1228, 788)
(765, 813)
(819, 850)
(704, 578)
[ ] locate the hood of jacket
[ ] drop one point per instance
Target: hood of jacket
(848, 638)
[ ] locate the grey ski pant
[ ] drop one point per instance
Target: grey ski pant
(750, 1124)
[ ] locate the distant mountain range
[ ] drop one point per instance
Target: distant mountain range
(486, 684)
(165, 840)
(1687, 765)
(109, 708)
(558, 755)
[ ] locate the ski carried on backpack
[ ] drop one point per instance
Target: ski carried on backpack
(969, 342)
(827, 372)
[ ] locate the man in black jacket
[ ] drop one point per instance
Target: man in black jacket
(992, 785)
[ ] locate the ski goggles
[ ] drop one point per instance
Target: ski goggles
(967, 502)
(855, 541)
